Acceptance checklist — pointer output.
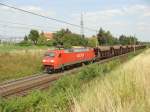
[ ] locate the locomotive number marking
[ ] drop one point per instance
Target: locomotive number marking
(80, 55)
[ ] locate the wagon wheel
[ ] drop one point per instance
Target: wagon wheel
(112, 51)
(49, 70)
(62, 68)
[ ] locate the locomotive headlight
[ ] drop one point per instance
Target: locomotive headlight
(44, 60)
(52, 61)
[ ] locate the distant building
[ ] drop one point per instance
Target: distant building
(48, 35)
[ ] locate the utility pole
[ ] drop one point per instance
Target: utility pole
(131, 42)
(134, 42)
(96, 38)
(82, 26)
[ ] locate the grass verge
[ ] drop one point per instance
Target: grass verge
(8, 48)
(125, 89)
(60, 98)
(20, 63)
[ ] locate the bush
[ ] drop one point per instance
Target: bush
(25, 43)
(95, 70)
(69, 39)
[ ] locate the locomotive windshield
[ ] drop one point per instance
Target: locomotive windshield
(50, 54)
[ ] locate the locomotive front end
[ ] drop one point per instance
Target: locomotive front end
(49, 61)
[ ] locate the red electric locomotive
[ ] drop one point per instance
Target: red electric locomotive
(58, 59)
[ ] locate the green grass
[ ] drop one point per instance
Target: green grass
(125, 89)
(14, 47)
(60, 97)
(20, 63)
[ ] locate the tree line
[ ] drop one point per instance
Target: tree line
(62, 38)
(106, 38)
(65, 38)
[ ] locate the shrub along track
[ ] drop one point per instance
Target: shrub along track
(22, 86)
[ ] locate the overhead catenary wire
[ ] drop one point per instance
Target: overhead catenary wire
(23, 28)
(18, 27)
(27, 25)
(50, 18)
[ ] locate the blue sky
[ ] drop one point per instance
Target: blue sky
(119, 16)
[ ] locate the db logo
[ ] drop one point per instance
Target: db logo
(80, 55)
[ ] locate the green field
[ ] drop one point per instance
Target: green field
(12, 47)
(66, 94)
(18, 61)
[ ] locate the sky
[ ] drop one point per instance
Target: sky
(129, 17)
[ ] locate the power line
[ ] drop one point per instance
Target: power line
(24, 28)
(16, 32)
(50, 18)
(82, 26)
(32, 25)
(20, 27)
(14, 27)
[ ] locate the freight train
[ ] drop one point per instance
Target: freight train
(59, 59)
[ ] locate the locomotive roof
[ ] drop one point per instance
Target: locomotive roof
(70, 50)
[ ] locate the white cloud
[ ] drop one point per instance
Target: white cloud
(127, 19)
(97, 19)
(38, 10)
(119, 20)
(103, 18)
(31, 8)
(3, 8)
(140, 10)
(143, 26)
(103, 14)
(112, 12)
(147, 14)
(106, 13)
(135, 8)
(7, 14)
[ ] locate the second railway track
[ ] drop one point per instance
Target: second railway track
(23, 85)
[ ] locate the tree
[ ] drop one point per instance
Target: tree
(116, 41)
(122, 40)
(127, 40)
(72, 39)
(101, 37)
(67, 39)
(42, 39)
(58, 37)
(106, 38)
(133, 40)
(92, 42)
(25, 38)
(34, 36)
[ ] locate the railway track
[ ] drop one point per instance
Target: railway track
(22, 86)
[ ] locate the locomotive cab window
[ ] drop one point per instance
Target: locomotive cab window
(50, 54)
